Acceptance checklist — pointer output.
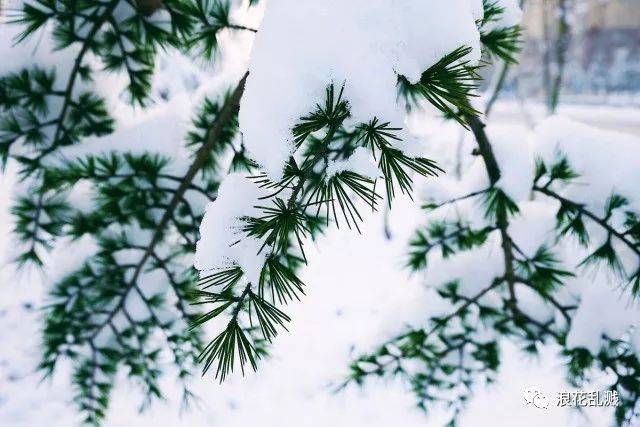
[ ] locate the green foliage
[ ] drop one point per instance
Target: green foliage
(45, 110)
(134, 302)
(444, 361)
(450, 360)
(29, 226)
(504, 42)
(617, 356)
(27, 118)
(393, 163)
(92, 318)
(447, 85)
(211, 16)
(498, 205)
(573, 219)
(231, 341)
(335, 194)
(492, 12)
(292, 214)
(331, 115)
(449, 237)
(478, 318)
(542, 271)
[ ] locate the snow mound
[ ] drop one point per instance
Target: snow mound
(305, 45)
(601, 157)
(602, 312)
(222, 242)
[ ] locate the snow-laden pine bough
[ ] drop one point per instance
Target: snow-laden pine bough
(325, 161)
(128, 203)
(321, 114)
(562, 211)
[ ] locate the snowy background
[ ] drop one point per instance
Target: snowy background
(298, 381)
(296, 385)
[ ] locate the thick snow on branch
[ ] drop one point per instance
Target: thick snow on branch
(301, 48)
(304, 45)
(222, 242)
(602, 312)
(601, 159)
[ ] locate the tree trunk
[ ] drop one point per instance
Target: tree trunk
(546, 55)
(562, 47)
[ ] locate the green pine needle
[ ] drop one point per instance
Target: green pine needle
(447, 85)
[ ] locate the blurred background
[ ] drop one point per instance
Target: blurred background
(576, 54)
(599, 45)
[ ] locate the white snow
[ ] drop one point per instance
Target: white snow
(290, 69)
(360, 162)
(305, 45)
(603, 311)
(514, 154)
(223, 243)
(604, 160)
(377, 298)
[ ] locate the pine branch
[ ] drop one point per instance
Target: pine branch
(484, 147)
(212, 17)
(93, 301)
(447, 85)
(434, 206)
(602, 222)
(437, 235)
(441, 377)
(226, 114)
(275, 228)
(285, 223)
(605, 252)
(563, 309)
(86, 46)
(416, 344)
(503, 43)
(502, 211)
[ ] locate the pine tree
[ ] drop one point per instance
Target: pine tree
(444, 361)
(137, 298)
(146, 212)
